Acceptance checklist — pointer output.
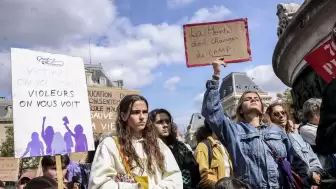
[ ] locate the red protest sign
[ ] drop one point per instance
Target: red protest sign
(323, 60)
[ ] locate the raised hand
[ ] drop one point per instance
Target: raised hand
(216, 65)
(65, 120)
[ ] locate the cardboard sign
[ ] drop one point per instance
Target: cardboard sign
(79, 157)
(103, 106)
(51, 112)
(323, 60)
(9, 169)
(205, 42)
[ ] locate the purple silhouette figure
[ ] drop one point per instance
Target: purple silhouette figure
(68, 141)
(47, 136)
(79, 136)
(58, 145)
(35, 146)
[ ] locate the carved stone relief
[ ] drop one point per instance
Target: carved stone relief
(307, 85)
(333, 33)
(285, 13)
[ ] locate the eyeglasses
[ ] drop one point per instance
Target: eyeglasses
(163, 121)
(279, 114)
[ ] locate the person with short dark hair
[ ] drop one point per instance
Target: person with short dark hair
(24, 179)
(231, 183)
(44, 182)
(49, 166)
(2, 185)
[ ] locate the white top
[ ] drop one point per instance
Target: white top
(107, 163)
(308, 133)
(226, 159)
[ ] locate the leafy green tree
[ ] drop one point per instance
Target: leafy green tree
(7, 150)
(286, 98)
(7, 146)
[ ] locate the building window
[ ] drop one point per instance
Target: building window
(102, 81)
(89, 78)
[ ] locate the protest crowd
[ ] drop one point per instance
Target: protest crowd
(257, 150)
(262, 147)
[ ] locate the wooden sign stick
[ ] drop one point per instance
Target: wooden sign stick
(59, 171)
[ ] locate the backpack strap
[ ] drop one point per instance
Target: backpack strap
(210, 154)
(124, 161)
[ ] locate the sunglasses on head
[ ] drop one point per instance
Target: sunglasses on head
(278, 114)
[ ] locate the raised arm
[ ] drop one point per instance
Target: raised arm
(326, 131)
(212, 109)
(66, 124)
(43, 125)
(27, 150)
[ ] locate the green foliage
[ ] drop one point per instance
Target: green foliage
(7, 150)
(7, 146)
(286, 98)
(29, 163)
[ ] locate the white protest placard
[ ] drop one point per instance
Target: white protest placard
(51, 112)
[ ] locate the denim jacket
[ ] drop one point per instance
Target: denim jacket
(306, 153)
(251, 157)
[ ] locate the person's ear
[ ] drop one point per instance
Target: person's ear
(123, 116)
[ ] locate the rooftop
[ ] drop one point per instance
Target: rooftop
(4, 106)
(237, 83)
(196, 121)
(97, 73)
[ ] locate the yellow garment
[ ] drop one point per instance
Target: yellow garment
(210, 176)
(143, 180)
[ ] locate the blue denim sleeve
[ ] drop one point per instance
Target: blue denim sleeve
(314, 162)
(212, 111)
(298, 165)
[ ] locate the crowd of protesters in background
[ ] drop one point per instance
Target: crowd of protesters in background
(264, 147)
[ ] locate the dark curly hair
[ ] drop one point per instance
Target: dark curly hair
(124, 134)
(172, 138)
(2, 185)
(203, 132)
(50, 161)
(231, 183)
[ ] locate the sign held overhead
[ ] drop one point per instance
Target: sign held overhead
(205, 42)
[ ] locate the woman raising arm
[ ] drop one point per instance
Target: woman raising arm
(249, 142)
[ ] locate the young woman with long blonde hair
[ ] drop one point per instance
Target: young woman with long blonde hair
(251, 144)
